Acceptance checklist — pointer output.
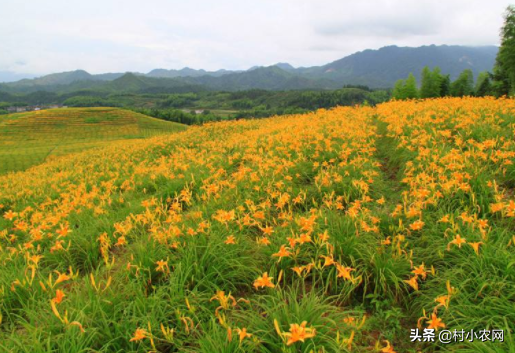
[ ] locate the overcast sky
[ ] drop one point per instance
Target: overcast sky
(44, 36)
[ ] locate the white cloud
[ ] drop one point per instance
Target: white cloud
(42, 36)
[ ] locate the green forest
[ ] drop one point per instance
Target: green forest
(199, 107)
(500, 82)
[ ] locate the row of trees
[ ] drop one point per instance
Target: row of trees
(3, 107)
(179, 116)
(435, 84)
(499, 83)
(90, 101)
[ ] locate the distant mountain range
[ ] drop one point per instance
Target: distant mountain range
(9, 76)
(374, 68)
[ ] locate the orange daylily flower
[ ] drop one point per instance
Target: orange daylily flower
(61, 277)
(139, 335)
(267, 230)
(63, 231)
(230, 240)
(10, 215)
(420, 271)
(475, 246)
(242, 333)
(283, 252)
(224, 300)
(435, 322)
(344, 272)
(299, 333)
(388, 348)
(121, 241)
(264, 281)
(323, 237)
(458, 241)
(263, 241)
(417, 225)
(444, 219)
(413, 282)
(59, 295)
(386, 241)
(443, 300)
(162, 266)
(304, 238)
(496, 207)
(298, 270)
(328, 260)
(483, 223)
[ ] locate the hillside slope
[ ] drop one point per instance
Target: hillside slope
(27, 139)
(335, 231)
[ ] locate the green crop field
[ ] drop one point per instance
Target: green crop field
(28, 139)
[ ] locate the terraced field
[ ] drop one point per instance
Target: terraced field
(28, 139)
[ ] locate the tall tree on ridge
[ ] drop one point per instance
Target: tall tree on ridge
(431, 81)
(398, 90)
(425, 85)
(483, 85)
(445, 86)
(504, 70)
(464, 84)
(410, 87)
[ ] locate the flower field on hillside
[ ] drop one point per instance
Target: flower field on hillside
(32, 138)
(339, 230)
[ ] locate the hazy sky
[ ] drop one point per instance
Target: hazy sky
(43, 36)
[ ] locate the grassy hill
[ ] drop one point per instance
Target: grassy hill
(335, 231)
(27, 139)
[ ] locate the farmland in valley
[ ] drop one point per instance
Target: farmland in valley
(28, 139)
(337, 230)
